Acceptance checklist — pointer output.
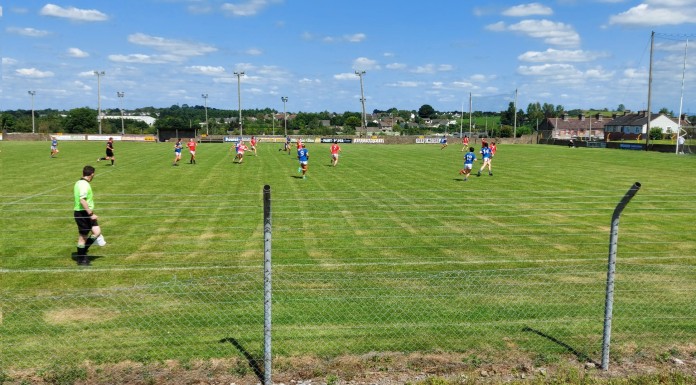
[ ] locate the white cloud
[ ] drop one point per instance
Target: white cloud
(76, 52)
(524, 10)
(657, 12)
(355, 38)
(555, 55)
(33, 73)
(249, 8)
(253, 52)
(396, 66)
(309, 81)
(144, 59)
(406, 84)
(207, 70)
(30, 32)
(346, 76)
(8, 61)
(432, 68)
(73, 13)
(565, 73)
(497, 27)
(363, 64)
(551, 32)
(174, 47)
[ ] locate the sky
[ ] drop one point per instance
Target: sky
(581, 54)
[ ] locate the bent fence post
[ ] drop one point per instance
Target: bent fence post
(611, 270)
(267, 285)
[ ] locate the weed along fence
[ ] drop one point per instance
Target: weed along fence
(322, 289)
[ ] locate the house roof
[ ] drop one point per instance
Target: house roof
(639, 119)
(576, 123)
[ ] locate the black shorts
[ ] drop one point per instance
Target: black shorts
(109, 154)
(84, 222)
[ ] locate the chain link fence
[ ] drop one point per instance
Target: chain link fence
(343, 310)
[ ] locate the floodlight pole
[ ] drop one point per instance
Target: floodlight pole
(239, 98)
(33, 126)
(120, 104)
(650, 79)
(205, 99)
(285, 114)
(362, 97)
(99, 75)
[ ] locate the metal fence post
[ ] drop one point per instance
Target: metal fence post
(611, 270)
(267, 285)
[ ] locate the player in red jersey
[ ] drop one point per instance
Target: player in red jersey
(253, 144)
(335, 149)
(192, 150)
(240, 147)
(465, 143)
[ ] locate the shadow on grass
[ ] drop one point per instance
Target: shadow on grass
(580, 355)
(91, 258)
(253, 362)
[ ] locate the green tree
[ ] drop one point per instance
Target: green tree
(7, 122)
(352, 122)
(535, 113)
(549, 110)
(655, 133)
(621, 108)
(426, 111)
(507, 117)
(81, 120)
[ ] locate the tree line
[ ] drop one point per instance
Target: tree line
(269, 121)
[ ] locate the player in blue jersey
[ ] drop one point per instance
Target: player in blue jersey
(469, 159)
(288, 145)
(443, 142)
(177, 152)
(486, 155)
(303, 157)
(54, 146)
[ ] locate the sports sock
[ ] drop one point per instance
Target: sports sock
(89, 242)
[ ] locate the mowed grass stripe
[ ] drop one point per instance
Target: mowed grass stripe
(389, 250)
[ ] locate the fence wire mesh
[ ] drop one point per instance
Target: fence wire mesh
(543, 310)
(353, 272)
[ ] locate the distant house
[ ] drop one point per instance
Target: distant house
(565, 127)
(631, 125)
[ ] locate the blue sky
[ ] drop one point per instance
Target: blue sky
(576, 53)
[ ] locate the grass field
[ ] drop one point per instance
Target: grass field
(389, 251)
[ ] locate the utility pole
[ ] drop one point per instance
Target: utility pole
(99, 75)
(120, 104)
(239, 97)
(514, 131)
(33, 126)
(205, 98)
(647, 127)
(285, 114)
(362, 97)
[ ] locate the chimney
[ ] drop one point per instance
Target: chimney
(581, 117)
(564, 116)
(599, 117)
(614, 115)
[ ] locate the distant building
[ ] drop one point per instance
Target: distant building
(629, 125)
(565, 127)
